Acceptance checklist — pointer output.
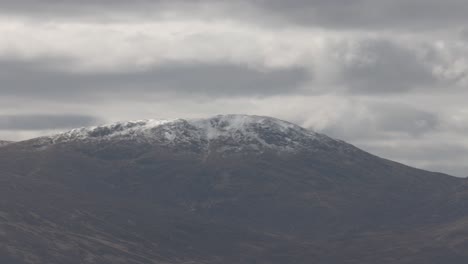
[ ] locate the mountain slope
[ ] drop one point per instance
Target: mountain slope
(228, 189)
(4, 143)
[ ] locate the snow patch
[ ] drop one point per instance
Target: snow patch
(233, 133)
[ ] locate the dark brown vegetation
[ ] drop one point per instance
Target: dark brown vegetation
(123, 202)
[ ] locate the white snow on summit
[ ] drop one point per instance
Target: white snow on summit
(228, 124)
(223, 132)
(119, 129)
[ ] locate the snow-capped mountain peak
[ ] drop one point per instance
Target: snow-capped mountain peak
(231, 133)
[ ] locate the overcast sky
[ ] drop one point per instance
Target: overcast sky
(390, 76)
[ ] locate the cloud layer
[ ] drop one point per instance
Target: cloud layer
(42, 121)
(388, 76)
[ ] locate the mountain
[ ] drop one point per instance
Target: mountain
(222, 134)
(4, 143)
(227, 189)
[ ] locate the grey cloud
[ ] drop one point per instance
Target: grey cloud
(464, 34)
(421, 151)
(404, 14)
(45, 79)
(68, 6)
(382, 122)
(433, 156)
(381, 66)
(350, 127)
(45, 121)
(398, 118)
(105, 10)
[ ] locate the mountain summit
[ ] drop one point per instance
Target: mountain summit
(220, 134)
(227, 189)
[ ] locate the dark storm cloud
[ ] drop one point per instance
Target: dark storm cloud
(43, 122)
(43, 78)
(380, 66)
(403, 14)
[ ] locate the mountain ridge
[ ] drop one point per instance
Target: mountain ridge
(124, 200)
(229, 133)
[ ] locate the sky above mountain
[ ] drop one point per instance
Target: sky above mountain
(388, 76)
